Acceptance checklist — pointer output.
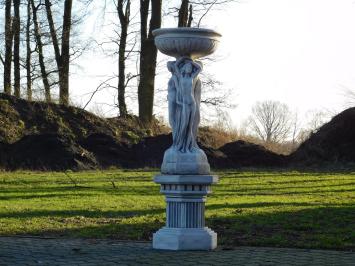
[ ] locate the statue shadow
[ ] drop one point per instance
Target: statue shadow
(329, 227)
(309, 226)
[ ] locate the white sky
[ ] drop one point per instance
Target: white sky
(300, 52)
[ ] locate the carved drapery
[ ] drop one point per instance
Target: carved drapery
(184, 97)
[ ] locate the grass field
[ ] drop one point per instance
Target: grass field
(285, 209)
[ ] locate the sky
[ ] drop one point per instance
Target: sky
(299, 52)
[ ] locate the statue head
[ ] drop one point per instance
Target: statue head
(187, 69)
(170, 65)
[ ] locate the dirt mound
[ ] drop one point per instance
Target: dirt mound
(19, 118)
(334, 142)
(132, 130)
(241, 153)
(41, 136)
(108, 151)
(48, 152)
(150, 151)
(216, 158)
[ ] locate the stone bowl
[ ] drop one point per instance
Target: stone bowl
(191, 42)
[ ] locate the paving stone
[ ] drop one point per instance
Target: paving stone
(38, 251)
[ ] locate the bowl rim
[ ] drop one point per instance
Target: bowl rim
(186, 32)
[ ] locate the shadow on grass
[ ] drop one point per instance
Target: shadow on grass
(81, 213)
(326, 227)
(79, 190)
(318, 227)
(296, 172)
(243, 187)
(41, 196)
(275, 192)
(258, 205)
(123, 190)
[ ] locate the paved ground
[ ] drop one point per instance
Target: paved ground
(36, 251)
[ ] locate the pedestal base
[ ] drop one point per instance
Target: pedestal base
(185, 163)
(185, 239)
(185, 213)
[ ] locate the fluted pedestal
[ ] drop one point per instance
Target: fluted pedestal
(185, 213)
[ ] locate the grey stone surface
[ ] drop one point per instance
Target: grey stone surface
(35, 251)
(191, 162)
(191, 42)
(185, 239)
(185, 213)
(186, 179)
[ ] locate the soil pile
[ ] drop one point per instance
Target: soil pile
(241, 153)
(41, 136)
(20, 118)
(49, 152)
(150, 152)
(333, 143)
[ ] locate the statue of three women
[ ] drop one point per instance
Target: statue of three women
(184, 97)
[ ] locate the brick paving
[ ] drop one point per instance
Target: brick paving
(39, 251)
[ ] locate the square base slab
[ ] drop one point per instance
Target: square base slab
(185, 239)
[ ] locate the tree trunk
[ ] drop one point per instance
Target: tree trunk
(8, 47)
(62, 57)
(183, 13)
(148, 59)
(16, 30)
(44, 73)
(189, 22)
(28, 53)
(65, 56)
(124, 21)
(53, 31)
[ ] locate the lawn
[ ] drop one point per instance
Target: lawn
(284, 209)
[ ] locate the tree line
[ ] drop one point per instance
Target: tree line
(274, 125)
(39, 45)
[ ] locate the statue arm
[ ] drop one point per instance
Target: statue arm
(197, 95)
(197, 68)
(172, 102)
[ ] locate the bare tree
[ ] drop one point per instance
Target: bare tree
(271, 121)
(212, 97)
(62, 56)
(148, 58)
(185, 14)
(39, 44)
(28, 52)
(191, 9)
(349, 97)
(16, 32)
(295, 130)
(124, 17)
(316, 119)
(8, 47)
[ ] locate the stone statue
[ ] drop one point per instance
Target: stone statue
(184, 97)
(185, 177)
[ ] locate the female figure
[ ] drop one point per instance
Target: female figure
(172, 94)
(188, 94)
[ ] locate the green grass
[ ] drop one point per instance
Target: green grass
(284, 209)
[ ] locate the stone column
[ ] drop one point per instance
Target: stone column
(185, 213)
